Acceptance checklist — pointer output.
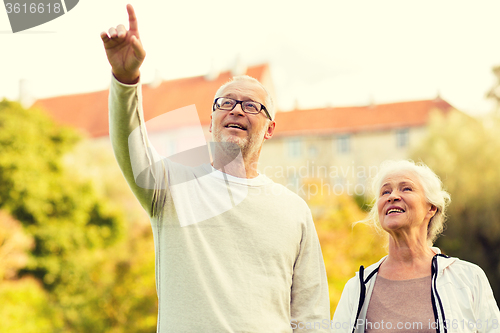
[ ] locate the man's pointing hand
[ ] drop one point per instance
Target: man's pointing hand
(124, 49)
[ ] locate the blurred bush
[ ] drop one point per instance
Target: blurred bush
(345, 247)
(463, 151)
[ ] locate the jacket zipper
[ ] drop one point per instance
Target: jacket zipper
(435, 295)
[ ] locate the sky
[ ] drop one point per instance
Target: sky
(321, 53)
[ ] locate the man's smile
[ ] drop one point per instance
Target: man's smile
(236, 126)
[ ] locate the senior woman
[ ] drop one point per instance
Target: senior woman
(415, 288)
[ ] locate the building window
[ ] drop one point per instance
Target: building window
(344, 144)
(294, 147)
(402, 138)
(313, 151)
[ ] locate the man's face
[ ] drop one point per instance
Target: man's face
(248, 131)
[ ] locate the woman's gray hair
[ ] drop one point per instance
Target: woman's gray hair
(433, 190)
(268, 103)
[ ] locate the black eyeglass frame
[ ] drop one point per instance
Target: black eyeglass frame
(242, 107)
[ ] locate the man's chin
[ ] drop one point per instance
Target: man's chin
(241, 143)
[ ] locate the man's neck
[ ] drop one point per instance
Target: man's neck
(240, 166)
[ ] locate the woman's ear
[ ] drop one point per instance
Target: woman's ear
(433, 210)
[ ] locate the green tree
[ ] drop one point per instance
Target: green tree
(463, 151)
(26, 308)
(125, 274)
(71, 226)
(345, 246)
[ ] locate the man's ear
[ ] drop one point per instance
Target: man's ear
(270, 130)
(210, 126)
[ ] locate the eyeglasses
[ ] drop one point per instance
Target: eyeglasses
(228, 104)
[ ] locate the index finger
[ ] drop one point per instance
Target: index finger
(132, 19)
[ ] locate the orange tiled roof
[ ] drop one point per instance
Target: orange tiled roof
(354, 119)
(89, 111)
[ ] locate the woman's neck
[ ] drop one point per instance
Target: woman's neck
(407, 259)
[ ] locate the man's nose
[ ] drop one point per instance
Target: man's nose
(237, 110)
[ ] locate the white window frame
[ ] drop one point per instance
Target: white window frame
(402, 138)
(294, 147)
(343, 144)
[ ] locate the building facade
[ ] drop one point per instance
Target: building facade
(328, 150)
(337, 150)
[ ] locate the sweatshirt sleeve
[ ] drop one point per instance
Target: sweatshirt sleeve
(138, 161)
(310, 304)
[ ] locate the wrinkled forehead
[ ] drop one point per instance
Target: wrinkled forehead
(244, 90)
(395, 178)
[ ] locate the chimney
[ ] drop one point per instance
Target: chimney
(371, 101)
(25, 97)
(438, 96)
(213, 72)
(239, 67)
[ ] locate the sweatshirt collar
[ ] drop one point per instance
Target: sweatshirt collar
(260, 180)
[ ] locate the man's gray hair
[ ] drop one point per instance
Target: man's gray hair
(433, 190)
(268, 103)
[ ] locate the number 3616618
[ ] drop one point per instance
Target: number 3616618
(32, 8)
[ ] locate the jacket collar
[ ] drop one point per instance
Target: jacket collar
(442, 261)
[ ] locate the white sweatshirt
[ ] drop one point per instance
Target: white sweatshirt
(232, 254)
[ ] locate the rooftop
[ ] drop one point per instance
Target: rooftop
(89, 111)
(358, 118)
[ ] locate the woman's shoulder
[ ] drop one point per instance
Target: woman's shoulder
(450, 263)
(459, 264)
(464, 270)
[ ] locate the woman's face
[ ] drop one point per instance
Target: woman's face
(402, 204)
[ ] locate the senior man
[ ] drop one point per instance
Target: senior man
(235, 252)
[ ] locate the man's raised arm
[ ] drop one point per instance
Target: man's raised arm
(126, 121)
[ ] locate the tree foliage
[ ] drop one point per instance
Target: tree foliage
(345, 246)
(26, 308)
(463, 151)
(14, 246)
(19, 297)
(71, 259)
